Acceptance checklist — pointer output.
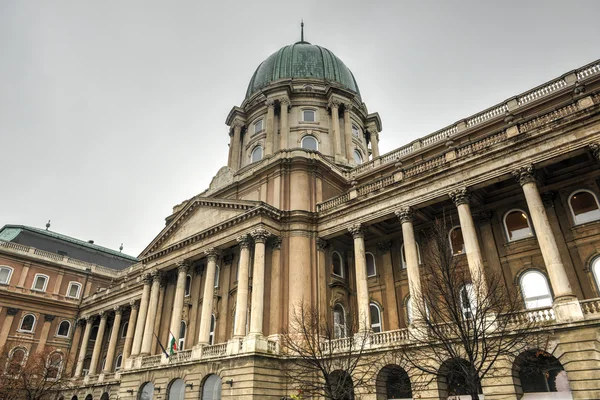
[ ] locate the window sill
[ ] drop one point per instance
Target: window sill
(27, 332)
(71, 298)
(38, 290)
(309, 122)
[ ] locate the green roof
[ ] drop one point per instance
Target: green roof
(302, 60)
(10, 232)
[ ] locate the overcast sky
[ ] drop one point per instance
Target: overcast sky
(111, 112)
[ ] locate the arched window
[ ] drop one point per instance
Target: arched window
(89, 397)
(146, 391)
(188, 285)
(309, 143)
(355, 131)
(211, 335)
(535, 289)
(182, 332)
(176, 390)
(584, 207)
(337, 265)
(103, 364)
(375, 317)
(258, 126)
(217, 273)
(358, 159)
(27, 323)
(404, 255)
(517, 226)
(341, 384)
(596, 271)
(118, 362)
(54, 366)
(308, 116)
(257, 154)
(457, 244)
(74, 290)
(339, 321)
(211, 390)
(94, 333)
(124, 330)
(541, 372)
(371, 268)
(17, 358)
(468, 300)
(393, 383)
(5, 274)
(63, 329)
(40, 281)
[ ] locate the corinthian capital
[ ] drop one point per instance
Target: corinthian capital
(182, 266)
(595, 147)
(260, 235)
(405, 214)
(212, 253)
(460, 196)
(270, 102)
(357, 231)
(276, 243)
(244, 241)
(147, 278)
(347, 107)
(524, 174)
(334, 103)
(322, 244)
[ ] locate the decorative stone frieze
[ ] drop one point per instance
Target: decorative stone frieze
(276, 243)
(524, 174)
(49, 317)
(12, 311)
(595, 147)
(405, 214)
(460, 196)
(357, 231)
(228, 259)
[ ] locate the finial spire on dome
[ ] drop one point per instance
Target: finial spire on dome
(302, 30)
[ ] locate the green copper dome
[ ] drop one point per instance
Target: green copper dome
(302, 60)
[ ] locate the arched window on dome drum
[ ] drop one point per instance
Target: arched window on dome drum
(337, 265)
(584, 207)
(188, 285)
(339, 322)
(535, 289)
(375, 317)
(357, 157)
(310, 143)
(517, 226)
(308, 116)
(371, 267)
(257, 154)
(457, 243)
(63, 329)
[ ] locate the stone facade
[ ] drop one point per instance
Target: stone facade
(331, 221)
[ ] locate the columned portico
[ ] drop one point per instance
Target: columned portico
(360, 264)
(112, 344)
(566, 305)
(411, 254)
(258, 282)
(241, 304)
(151, 317)
(83, 348)
(141, 316)
(98, 343)
(460, 197)
(182, 269)
(207, 299)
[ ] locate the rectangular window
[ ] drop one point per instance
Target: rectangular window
(5, 274)
(39, 283)
(73, 290)
(258, 126)
(308, 116)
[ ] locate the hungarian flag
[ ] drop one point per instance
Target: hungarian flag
(172, 343)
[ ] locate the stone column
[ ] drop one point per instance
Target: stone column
(284, 131)
(207, 299)
(83, 347)
(195, 310)
(411, 254)
(182, 269)
(151, 317)
(112, 343)
(270, 126)
(360, 265)
(258, 282)
(141, 317)
(241, 303)
(98, 343)
(7, 324)
(348, 131)
(133, 316)
(74, 345)
(390, 285)
(375, 143)
(236, 145)
(322, 273)
(460, 197)
(45, 330)
(276, 301)
(335, 126)
(231, 144)
(566, 306)
(159, 312)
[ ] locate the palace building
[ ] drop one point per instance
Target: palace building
(308, 211)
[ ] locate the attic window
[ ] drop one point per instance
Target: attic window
(308, 116)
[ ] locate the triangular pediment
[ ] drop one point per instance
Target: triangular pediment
(198, 215)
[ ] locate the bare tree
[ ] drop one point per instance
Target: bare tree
(463, 324)
(323, 360)
(36, 376)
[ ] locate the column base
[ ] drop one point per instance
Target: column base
(567, 309)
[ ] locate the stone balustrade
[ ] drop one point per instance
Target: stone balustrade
(591, 308)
